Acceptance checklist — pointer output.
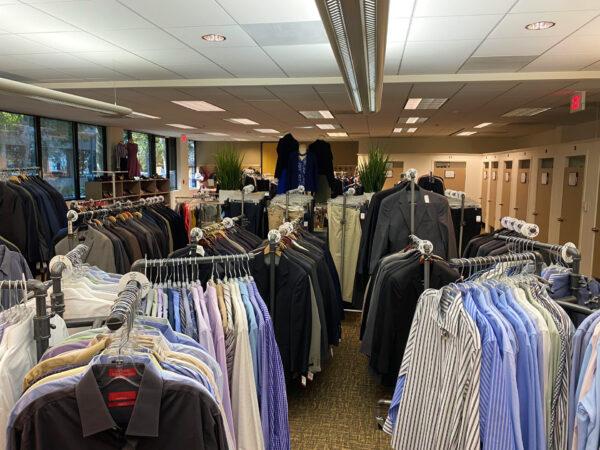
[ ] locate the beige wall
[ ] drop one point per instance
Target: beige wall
(206, 152)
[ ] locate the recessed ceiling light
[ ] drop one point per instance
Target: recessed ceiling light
(214, 133)
(397, 130)
(242, 121)
(525, 112)
(323, 114)
(179, 125)
(212, 37)
(197, 105)
(266, 130)
(327, 126)
(425, 103)
(466, 133)
(338, 134)
(483, 125)
(541, 25)
(135, 114)
(411, 130)
(412, 119)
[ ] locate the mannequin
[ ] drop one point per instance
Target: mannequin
(301, 170)
(133, 164)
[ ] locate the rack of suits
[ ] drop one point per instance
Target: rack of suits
(390, 303)
(344, 233)
(225, 314)
(387, 228)
(432, 183)
(252, 206)
(466, 217)
(121, 234)
(37, 212)
(295, 271)
(504, 345)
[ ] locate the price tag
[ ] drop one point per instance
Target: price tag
(362, 216)
(310, 376)
(306, 224)
(426, 197)
(478, 219)
(303, 381)
(140, 278)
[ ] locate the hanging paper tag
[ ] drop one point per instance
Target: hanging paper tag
(310, 376)
(477, 219)
(303, 381)
(362, 216)
(266, 194)
(426, 197)
(306, 224)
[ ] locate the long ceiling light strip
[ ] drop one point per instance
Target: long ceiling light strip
(334, 10)
(369, 19)
(61, 98)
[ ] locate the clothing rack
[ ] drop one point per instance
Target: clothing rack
(41, 320)
(459, 194)
(125, 307)
(22, 169)
(299, 190)
(482, 261)
(57, 266)
(349, 192)
(412, 176)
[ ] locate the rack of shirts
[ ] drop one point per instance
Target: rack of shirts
(225, 313)
(141, 385)
(37, 212)
(295, 270)
(123, 233)
(391, 301)
(503, 344)
(344, 232)
(393, 215)
(61, 265)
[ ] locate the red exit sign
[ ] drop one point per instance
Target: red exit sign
(577, 101)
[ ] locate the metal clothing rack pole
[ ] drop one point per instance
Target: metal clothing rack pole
(480, 261)
(426, 249)
(462, 223)
(412, 175)
(41, 320)
(273, 238)
(141, 264)
(125, 307)
(58, 265)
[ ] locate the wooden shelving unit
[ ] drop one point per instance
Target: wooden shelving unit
(128, 189)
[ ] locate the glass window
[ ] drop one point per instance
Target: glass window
(143, 142)
(161, 156)
(57, 155)
(17, 140)
(172, 163)
(90, 140)
(193, 184)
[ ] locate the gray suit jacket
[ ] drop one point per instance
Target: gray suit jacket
(433, 222)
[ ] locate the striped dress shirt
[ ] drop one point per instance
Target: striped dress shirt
(439, 408)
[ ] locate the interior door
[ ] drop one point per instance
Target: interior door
(506, 188)
(543, 197)
(572, 207)
(453, 173)
(394, 173)
(485, 181)
(493, 189)
(520, 209)
(596, 230)
(268, 157)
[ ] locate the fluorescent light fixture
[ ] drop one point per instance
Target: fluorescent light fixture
(338, 134)
(179, 125)
(305, 127)
(541, 25)
(483, 125)
(242, 121)
(239, 139)
(327, 126)
(197, 105)
(324, 114)
(214, 133)
(140, 115)
(397, 130)
(466, 133)
(425, 103)
(525, 112)
(412, 119)
(212, 37)
(266, 130)
(411, 130)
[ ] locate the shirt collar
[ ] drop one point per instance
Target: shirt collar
(95, 416)
(445, 309)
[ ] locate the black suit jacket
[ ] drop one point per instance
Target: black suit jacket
(433, 222)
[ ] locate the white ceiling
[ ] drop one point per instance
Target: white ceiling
(74, 41)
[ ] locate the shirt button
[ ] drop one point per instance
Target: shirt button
(444, 333)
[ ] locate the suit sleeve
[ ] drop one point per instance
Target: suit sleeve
(380, 244)
(452, 252)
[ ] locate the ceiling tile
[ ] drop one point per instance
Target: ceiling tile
(551, 63)
(576, 44)
(516, 46)
(426, 8)
(595, 66)
(590, 29)
(287, 33)
(553, 5)
(271, 11)
(401, 8)
(397, 30)
(513, 25)
(141, 39)
(195, 70)
(305, 60)
(181, 13)
(85, 14)
(249, 93)
(192, 36)
(177, 57)
(300, 98)
(393, 55)
(11, 62)
(496, 64)
(436, 56)
(12, 44)
(19, 18)
(71, 41)
(244, 61)
(127, 63)
(455, 27)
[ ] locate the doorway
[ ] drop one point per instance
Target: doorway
(520, 209)
(543, 197)
(570, 216)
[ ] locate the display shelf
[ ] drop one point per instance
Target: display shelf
(127, 189)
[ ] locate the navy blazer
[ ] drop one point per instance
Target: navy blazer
(310, 177)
